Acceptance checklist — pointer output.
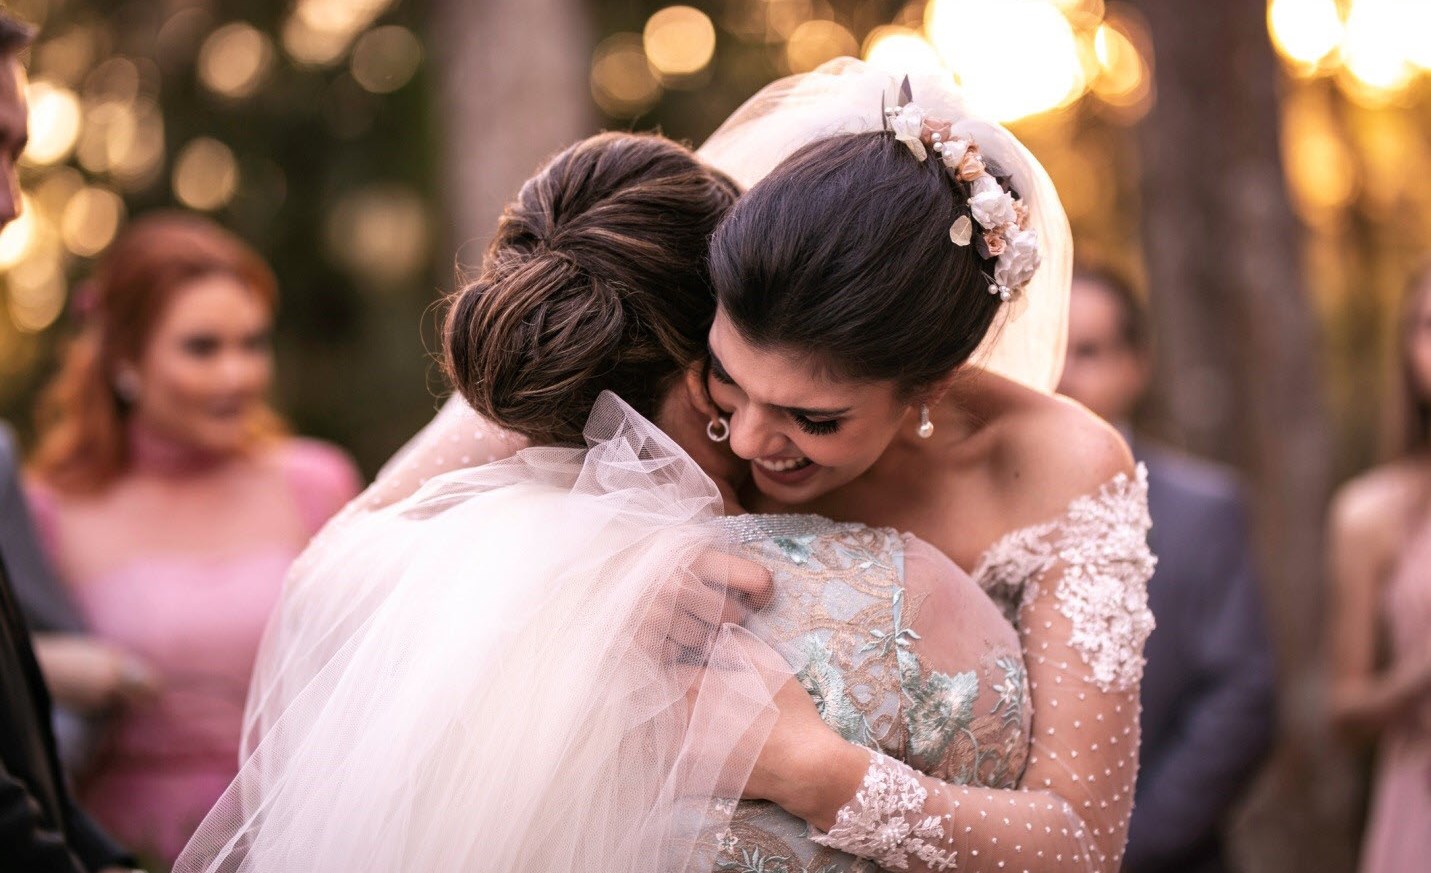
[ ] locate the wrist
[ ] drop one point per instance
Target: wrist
(826, 778)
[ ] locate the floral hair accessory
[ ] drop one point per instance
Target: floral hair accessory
(1004, 235)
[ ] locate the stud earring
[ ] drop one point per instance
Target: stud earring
(718, 429)
(926, 427)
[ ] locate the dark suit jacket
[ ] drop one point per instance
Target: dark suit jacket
(40, 595)
(1208, 691)
(41, 828)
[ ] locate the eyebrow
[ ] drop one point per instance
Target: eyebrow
(806, 412)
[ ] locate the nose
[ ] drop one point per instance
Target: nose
(752, 435)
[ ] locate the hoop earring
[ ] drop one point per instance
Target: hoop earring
(926, 427)
(718, 429)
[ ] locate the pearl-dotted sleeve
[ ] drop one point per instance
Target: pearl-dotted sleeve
(456, 438)
(1078, 587)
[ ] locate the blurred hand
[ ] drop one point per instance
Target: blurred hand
(719, 589)
(90, 676)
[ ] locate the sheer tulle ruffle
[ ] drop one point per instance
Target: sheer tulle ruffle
(502, 673)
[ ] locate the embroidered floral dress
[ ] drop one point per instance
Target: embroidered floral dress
(1076, 587)
(902, 653)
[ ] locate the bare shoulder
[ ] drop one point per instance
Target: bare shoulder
(1051, 451)
(1372, 508)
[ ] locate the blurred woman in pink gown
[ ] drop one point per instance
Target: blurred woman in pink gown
(172, 502)
(1381, 620)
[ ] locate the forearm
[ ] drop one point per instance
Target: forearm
(905, 820)
(1367, 706)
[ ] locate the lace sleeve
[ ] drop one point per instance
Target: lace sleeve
(1083, 618)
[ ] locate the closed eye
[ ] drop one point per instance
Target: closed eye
(817, 428)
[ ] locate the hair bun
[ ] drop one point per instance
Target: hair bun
(595, 281)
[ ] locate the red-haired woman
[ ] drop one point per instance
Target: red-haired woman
(1381, 623)
(172, 502)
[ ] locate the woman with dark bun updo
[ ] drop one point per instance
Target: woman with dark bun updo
(569, 660)
(172, 502)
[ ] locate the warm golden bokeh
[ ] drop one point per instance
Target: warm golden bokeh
(679, 42)
(205, 174)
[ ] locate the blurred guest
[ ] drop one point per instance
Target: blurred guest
(172, 504)
(1208, 692)
(1381, 620)
(41, 828)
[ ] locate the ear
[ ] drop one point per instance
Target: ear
(697, 394)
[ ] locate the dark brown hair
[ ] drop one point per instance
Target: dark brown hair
(843, 252)
(595, 281)
(83, 444)
(1410, 411)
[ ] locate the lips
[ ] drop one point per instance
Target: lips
(783, 465)
(784, 472)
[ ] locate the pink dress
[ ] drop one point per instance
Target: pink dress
(1398, 836)
(180, 563)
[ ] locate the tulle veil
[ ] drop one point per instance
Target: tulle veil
(482, 677)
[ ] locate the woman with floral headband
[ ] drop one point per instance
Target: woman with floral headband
(891, 306)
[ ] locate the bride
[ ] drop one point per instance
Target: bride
(1072, 581)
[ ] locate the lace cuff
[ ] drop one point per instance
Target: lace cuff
(886, 820)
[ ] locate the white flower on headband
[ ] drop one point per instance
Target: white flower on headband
(907, 122)
(1006, 238)
(993, 207)
(1020, 260)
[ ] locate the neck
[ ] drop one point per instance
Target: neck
(153, 451)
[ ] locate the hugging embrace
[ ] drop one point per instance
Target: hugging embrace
(753, 539)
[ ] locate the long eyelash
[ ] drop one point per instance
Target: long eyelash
(721, 376)
(817, 428)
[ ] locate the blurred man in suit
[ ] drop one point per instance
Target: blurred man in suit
(1208, 704)
(41, 828)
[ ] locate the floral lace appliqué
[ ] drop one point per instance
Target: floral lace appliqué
(885, 821)
(1102, 542)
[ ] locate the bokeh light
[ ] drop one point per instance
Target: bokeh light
(1305, 31)
(901, 50)
(380, 234)
(817, 41)
(90, 220)
(234, 60)
(1124, 80)
(621, 79)
(318, 32)
(386, 58)
(679, 42)
(1004, 79)
(54, 123)
(205, 174)
(1372, 49)
(36, 292)
(19, 236)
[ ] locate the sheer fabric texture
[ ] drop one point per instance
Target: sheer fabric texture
(901, 651)
(1081, 581)
(501, 673)
(846, 96)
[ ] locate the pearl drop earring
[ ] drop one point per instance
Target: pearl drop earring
(926, 427)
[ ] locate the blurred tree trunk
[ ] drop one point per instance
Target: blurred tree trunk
(513, 91)
(1239, 364)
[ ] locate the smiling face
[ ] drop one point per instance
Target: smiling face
(203, 374)
(804, 431)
